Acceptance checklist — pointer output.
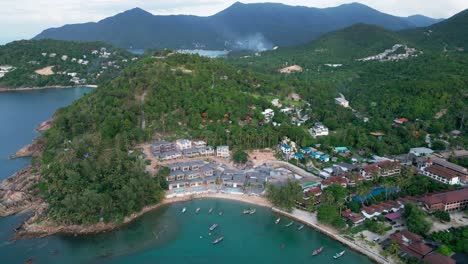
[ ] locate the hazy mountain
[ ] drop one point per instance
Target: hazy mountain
(241, 26)
(422, 21)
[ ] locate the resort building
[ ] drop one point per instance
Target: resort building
(183, 144)
(372, 211)
(275, 102)
(319, 130)
(384, 168)
(162, 146)
(222, 151)
(286, 149)
(421, 152)
(447, 201)
(413, 245)
(198, 144)
(443, 171)
(169, 155)
(354, 218)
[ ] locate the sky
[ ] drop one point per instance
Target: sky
(23, 19)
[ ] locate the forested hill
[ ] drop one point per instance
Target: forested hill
(240, 26)
(88, 172)
(38, 63)
(427, 87)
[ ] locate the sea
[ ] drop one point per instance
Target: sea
(165, 235)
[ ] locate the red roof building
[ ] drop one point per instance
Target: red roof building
(340, 180)
(446, 201)
(353, 217)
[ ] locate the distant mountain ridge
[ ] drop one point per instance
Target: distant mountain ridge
(241, 26)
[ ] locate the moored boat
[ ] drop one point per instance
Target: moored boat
(246, 211)
(213, 227)
(278, 220)
(317, 251)
(339, 254)
(290, 224)
(211, 210)
(300, 227)
(252, 211)
(221, 213)
(197, 210)
(184, 209)
(219, 239)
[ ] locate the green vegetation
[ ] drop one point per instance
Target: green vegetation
(375, 227)
(416, 219)
(284, 196)
(456, 240)
(331, 203)
(445, 250)
(240, 156)
(442, 216)
(26, 56)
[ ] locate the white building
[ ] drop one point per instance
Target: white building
(276, 102)
(268, 114)
(64, 57)
(222, 151)
(419, 152)
(319, 130)
(183, 144)
(198, 144)
(443, 171)
(342, 101)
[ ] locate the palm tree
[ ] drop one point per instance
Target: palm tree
(362, 190)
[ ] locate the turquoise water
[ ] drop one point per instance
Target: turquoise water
(164, 235)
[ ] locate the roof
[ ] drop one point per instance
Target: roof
(449, 165)
(443, 172)
(422, 150)
(410, 235)
(446, 197)
(436, 258)
(393, 216)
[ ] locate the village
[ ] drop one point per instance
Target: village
(195, 168)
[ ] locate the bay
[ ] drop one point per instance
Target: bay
(164, 235)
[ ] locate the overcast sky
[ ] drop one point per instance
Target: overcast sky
(23, 19)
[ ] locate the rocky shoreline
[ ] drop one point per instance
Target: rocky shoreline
(4, 89)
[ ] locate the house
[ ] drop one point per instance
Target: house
(447, 201)
(183, 144)
(275, 102)
(342, 101)
(206, 151)
(421, 152)
(443, 171)
(64, 57)
(324, 158)
(162, 146)
(286, 149)
(298, 156)
(235, 181)
(340, 180)
(308, 150)
(169, 155)
(268, 114)
(191, 152)
(354, 218)
(318, 130)
(222, 151)
(287, 110)
(340, 149)
(316, 154)
(400, 121)
(198, 144)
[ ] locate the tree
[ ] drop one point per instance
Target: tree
(393, 248)
(445, 250)
(284, 196)
(416, 219)
(329, 214)
(442, 216)
(240, 156)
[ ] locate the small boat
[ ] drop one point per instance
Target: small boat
(253, 211)
(246, 211)
(219, 239)
(278, 220)
(300, 227)
(211, 210)
(221, 213)
(184, 209)
(290, 224)
(213, 227)
(198, 210)
(339, 254)
(317, 251)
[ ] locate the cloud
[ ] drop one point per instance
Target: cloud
(25, 18)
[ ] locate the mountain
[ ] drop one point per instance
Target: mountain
(39, 63)
(241, 26)
(423, 21)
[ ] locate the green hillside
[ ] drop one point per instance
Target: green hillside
(66, 58)
(87, 169)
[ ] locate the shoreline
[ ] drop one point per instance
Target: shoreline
(3, 90)
(47, 228)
